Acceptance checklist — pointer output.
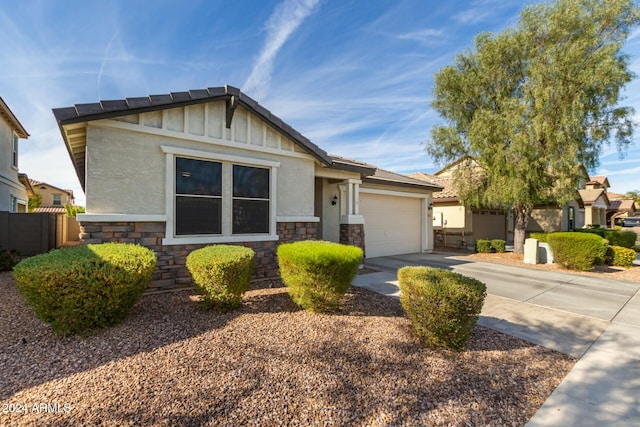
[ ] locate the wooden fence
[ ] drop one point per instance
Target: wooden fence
(28, 233)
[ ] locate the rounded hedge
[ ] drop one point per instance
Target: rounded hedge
(577, 251)
(318, 273)
(620, 256)
(483, 246)
(443, 306)
(85, 287)
(221, 274)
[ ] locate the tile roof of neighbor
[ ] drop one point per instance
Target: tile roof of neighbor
(50, 209)
(448, 193)
(590, 196)
(600, 180)
(621, 205)
(6, 112)
(80, 113)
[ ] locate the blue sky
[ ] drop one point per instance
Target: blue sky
(354, 76)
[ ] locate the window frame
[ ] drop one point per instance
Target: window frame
(227, 161)
(53, 199)
(14, 150)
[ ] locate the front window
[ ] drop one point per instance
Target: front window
(250, 200)
(220, 198)
(57, 200)
(14, 204)
(198, 197)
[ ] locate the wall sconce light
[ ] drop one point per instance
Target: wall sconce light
(334, 200)
(430, 206)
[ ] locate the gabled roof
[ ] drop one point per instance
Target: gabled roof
(602, 180)
(382, 176)
(12, 119)
(24, 179)
(35, 183)
(82, 113)
(589, 197)
(447, 194)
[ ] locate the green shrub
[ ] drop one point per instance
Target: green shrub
(443, 306)
(619, 256)
(626, 239)
(221, 273)
(8, 259)
(85, 287)
(577, 251)
(483, 246)
(541, 237)
(636, 248)
(498, 245)
(317, 273)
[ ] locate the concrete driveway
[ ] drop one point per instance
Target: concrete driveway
(594, 319)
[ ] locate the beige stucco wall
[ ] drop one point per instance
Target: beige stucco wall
(126, 168)
(545, 219)
(456, 216)
(46, 192)
(9, 183)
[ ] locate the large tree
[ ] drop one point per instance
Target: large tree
(534, 105)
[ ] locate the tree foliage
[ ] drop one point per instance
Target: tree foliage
(35, 201)
(534, 105)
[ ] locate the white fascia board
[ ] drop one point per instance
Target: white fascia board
(393, 193)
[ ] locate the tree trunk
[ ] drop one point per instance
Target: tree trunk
(522, 214)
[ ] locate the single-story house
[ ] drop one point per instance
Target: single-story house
(54, 200)
(180, 171)
(456, 225)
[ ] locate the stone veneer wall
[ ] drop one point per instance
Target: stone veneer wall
(353, 234)
(171, 272)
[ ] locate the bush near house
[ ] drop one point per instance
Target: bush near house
(318, 273)
(625, 239)
(85, 287)
(499, 245)
(619, 256)
(221, 274)
(443, 306)
(541, 237)
(483, 246)
(577, 251)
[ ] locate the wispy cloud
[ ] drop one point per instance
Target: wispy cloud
(427, 36)
(285, 19)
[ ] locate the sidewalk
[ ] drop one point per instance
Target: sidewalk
(597, 321)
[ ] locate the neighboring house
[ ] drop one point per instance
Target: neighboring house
(52, 197)
(620, 206)
(596, 202)
(179, 171)
(457, 225)
(53, 200)
(13, 193)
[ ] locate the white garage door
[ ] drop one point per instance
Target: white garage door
(392, 224)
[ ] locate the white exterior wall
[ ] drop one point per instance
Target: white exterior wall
(127, 168)
(10, 186)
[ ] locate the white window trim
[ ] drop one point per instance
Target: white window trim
(15, 143)
(172, 239)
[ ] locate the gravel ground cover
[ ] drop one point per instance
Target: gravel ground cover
(267, 363)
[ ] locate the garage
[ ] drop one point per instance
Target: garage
(489, 224)
(392, 224)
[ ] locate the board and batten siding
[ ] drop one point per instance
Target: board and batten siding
(126, 166)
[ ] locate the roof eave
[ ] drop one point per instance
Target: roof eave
(424, 187)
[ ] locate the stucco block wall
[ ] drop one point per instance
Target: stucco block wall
(171, 272)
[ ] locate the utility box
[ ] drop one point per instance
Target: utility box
(531, 251)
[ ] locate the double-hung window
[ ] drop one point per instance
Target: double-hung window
(57, 200)
(14, 154)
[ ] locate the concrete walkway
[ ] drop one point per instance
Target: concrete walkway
(594, 319)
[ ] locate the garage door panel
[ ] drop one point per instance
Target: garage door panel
(392, 224)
